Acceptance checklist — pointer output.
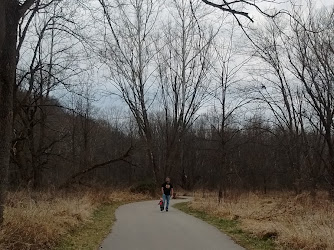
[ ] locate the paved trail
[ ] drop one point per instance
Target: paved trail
(141, 226)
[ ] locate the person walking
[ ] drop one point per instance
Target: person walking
(167, 191)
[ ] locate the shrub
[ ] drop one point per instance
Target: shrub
(144, 187)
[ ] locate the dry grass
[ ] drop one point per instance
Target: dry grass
(295, 222)
(38, 220)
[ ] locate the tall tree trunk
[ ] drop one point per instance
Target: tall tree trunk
(151, 157)
(8, 36)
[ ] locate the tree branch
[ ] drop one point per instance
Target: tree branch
(229, 9)
(99, 165)
(25, 6)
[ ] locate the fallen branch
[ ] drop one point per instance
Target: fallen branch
(99, 165)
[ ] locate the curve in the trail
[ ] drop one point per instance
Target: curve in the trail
(141, 226)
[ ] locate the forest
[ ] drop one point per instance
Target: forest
(220, 97)
(101, 100)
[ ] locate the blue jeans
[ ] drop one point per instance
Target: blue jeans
(166, 200)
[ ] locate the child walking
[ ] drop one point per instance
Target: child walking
(161, 203)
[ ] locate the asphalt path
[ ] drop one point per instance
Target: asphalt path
(141, 226)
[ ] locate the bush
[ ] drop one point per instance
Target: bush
(144, 187)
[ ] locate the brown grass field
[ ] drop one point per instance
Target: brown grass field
(40, 220)
(295, 222)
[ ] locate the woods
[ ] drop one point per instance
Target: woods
(115, 92)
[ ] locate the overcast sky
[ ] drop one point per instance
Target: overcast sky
(108, 101)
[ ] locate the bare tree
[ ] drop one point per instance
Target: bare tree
(227, 65)
(47, 64)
(283, 97)
(10, 14)
(128, 54)
(297, 87)
(183, 62)
(311, 56)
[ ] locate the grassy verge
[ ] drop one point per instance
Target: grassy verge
(69, 220)
(231, 228)
(293, 221)
(89, 235)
